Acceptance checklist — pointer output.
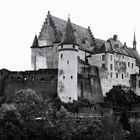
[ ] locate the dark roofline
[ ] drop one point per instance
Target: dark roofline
(113, 53)
(67, 44)
(44, 46)
(86, 50)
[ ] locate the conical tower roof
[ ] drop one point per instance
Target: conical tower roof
(68, 36)
(35, 42)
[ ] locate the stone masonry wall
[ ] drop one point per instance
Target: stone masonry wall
(42, 81)
(89, 85)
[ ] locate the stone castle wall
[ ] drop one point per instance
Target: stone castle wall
(45, 57)
(89, 85)
(42, 81)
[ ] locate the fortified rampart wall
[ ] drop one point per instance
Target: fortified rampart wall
(43, 81)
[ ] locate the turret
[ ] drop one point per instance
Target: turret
(33, 52)
(68, 65)
(134, 42)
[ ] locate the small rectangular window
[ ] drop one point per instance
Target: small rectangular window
(132, 65)
(128, 64)
(111, 67)
(103, 65)
(67, 61)
(52, 78)
(122, 76)
(18, 78)
(111, 57)
(116, 75)
(33, 78)
(42, 80)
(61, 56)
(71, 77)
(111, 74)
(103, 57)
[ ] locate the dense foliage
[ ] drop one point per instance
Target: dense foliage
(122, 100)
(29, 117)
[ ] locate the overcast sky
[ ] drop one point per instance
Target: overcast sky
(20, 20)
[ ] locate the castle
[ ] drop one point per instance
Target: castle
(66, 59)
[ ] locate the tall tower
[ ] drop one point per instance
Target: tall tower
(134, 42)
(68, 65)
(33, 53)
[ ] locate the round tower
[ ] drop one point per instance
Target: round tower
(68, 65)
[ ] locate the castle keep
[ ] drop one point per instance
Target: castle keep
(68, 61)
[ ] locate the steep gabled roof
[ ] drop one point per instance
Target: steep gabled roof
(84, 37)
(112, 46)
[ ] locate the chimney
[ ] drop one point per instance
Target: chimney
(115, 37)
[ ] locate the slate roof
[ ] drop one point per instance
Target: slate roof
(113, 46)
(68, 35)
(35, 42)
(84, 37)
(136, 55)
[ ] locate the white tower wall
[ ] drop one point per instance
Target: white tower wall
(67, 72)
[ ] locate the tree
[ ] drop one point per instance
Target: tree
(121, 99)
(29, 104)
(11, 124)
